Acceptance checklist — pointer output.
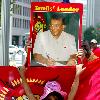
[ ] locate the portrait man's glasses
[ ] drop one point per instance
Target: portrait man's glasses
(55, 25)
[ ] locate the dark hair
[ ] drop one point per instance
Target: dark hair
(54, 94)
(86, 48)
(58, 16)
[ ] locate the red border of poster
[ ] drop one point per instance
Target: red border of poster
(55, 7)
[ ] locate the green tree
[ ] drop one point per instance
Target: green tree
(90, 33)
(98, 32)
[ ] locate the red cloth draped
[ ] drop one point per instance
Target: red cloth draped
(63, 75)
(96, 51)
(89, 87)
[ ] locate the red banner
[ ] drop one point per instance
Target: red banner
(56, 7)
(89, 88)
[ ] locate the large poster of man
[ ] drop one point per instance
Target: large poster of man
(55, 32)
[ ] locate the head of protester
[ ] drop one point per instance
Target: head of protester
(93, 43)
(52, 91)
(94, 47)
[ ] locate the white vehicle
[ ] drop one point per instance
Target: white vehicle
(21, 50)
(16, 55)
(13, 48)
(20, 56)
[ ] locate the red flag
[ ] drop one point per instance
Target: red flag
(37, 77)
(89, 88)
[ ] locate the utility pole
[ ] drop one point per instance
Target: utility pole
(4, 34)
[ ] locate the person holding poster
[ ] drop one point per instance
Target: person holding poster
(55, 47)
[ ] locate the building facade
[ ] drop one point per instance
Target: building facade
(93, 12)
(96, 12)
(19, 21)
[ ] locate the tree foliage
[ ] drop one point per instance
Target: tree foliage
(92, 33)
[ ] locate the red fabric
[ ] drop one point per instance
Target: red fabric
(4, 91)
(96, 51)
(8, 75)
(17, 92)
(62, 75)
(89, 88)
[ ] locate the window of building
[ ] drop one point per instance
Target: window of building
(26, 24)
(17, 22)
(27, 1)
(20, 23)
(17, 9)
(26, 11)
(15, 40)
(19, 0)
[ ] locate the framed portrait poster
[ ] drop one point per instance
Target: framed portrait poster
(55, 31)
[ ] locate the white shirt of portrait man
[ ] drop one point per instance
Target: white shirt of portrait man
(59, 49)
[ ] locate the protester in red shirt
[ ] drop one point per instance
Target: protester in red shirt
(95, 49)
